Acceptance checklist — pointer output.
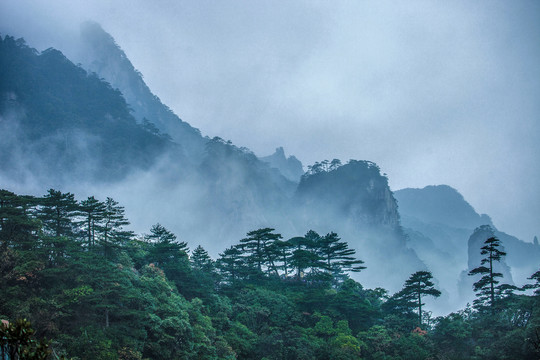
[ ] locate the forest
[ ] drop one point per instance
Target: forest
(76, 283)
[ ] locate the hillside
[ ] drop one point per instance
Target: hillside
(60, 123)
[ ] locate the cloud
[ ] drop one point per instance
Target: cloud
(433, 92)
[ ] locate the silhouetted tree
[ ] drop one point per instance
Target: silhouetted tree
(93, 211)
(258, 247)
(417, 285)
(487, 288)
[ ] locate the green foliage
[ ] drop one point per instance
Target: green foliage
(69, 119)
(17, 342)
(101, 293)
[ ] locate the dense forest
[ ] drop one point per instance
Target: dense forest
(77, 284)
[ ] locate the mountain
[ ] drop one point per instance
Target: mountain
(99, 53)
(290, 166)
(439, 205)
(356, 199)
(74, 129)
(60, 123)
(446, 233)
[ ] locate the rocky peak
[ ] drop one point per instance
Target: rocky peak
(356, 191)
(290, 166)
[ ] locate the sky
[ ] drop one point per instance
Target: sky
(433, 92)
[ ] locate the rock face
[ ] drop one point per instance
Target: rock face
(356, 191)
(290, 166)
(355, 199)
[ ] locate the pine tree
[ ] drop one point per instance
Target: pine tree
(18, 228)
(112, 231)
(93, 212)
(416, 286)
(303, 254)
(58, 212)
(169, 255)
(488, 292)
(258, 247)
(337, 255)
(200, 260)
(232, 266)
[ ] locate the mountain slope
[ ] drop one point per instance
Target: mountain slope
(99, 53)
(59, 122)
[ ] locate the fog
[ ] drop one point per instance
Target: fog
(434, 93)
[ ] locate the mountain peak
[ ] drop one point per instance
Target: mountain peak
(290, 166)
(440, 204)
(101, 54)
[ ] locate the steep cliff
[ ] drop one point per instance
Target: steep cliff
(355, 200)
(356, 191)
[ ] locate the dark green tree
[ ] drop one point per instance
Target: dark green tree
(171, 256)
(303, 256)
(487, 288)
(58, 211)
(417, 285)
(18, 228)
(112, 233)
(232, 266)
(259, 250)
(200, 260)
(337, 255)
(204, 272)
(93, 212)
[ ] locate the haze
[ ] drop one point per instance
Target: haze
(435, 93)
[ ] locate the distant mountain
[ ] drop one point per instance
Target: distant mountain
(446, 232)
(439, 204)
(290, 166)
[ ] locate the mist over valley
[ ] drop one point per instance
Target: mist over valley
(184, 206)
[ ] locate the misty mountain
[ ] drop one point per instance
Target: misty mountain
(86, 130)
(425, 205)
(446, 233)
(99, 53)
(290, 166)
(356, 199)
(63, 123)
(60, 123)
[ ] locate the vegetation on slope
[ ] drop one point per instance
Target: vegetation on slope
(101, 292)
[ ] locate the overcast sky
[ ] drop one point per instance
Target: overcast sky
(434, 92)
